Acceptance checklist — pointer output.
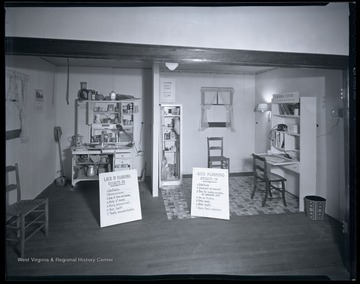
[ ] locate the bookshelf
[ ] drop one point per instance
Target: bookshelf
(293, 131)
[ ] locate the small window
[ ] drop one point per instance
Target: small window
(216, 107)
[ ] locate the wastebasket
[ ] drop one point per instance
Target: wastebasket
(315, 207)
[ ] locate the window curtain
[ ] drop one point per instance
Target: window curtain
(208, 97)
(16, 93)
(227, 99)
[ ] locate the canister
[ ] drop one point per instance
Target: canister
(113, 96)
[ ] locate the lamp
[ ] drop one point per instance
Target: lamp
(264, 107)
(171, 66)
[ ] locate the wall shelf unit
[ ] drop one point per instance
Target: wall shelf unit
(104, 116)
(298, 139)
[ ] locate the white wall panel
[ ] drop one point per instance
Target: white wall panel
(238, 145)
(36, 158)
(304, 29)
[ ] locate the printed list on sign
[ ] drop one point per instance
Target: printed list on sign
(210, 193)
(119, 198)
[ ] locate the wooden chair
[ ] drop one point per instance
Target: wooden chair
(216, 158)
(262, 174)
(24, 217)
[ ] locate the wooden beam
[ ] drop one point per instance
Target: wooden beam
(161, 53)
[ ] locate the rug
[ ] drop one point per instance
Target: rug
(177, 199)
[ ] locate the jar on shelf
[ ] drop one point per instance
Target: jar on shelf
(112, 96)
(97, 118)
(83, 85)
(172, 135)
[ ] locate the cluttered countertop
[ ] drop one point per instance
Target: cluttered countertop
(100, 148)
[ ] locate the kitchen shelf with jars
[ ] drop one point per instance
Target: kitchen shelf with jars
(108, 129)
(111, 122)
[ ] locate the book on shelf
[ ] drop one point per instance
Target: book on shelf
(281, 109)
(288, 109)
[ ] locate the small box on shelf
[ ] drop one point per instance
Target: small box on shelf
(293, 128)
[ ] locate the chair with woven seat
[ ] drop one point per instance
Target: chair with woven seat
(24, 217)
(216, 158)
(262, 174)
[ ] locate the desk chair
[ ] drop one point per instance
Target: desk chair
(216, 157)
(24, 217)
(261, 173)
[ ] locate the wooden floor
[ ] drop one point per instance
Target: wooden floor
(155, 247)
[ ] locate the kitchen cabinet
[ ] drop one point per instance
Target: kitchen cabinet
(170, 172)
(108, 130)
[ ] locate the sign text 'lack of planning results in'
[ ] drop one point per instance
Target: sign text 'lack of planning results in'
(119, 198)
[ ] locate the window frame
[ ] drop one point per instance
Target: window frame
(228, 123)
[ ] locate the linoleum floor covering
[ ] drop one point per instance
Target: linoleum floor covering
(177, 199)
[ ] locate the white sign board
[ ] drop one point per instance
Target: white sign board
(286, 98)
(210, 193)
(167, 90)
(119, 198)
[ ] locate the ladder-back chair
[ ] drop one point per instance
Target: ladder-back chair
(216, 158)
(24, 217)
(262, 174)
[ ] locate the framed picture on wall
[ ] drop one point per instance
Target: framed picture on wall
(39, 96)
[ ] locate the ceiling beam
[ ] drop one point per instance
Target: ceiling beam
(160, 53)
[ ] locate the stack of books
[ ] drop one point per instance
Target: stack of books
(289, 109)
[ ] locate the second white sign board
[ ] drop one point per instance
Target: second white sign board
(119, 198)
(210, 193)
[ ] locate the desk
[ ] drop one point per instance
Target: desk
(100, 159)
(279, 161)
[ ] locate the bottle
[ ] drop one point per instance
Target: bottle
(112, 96)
